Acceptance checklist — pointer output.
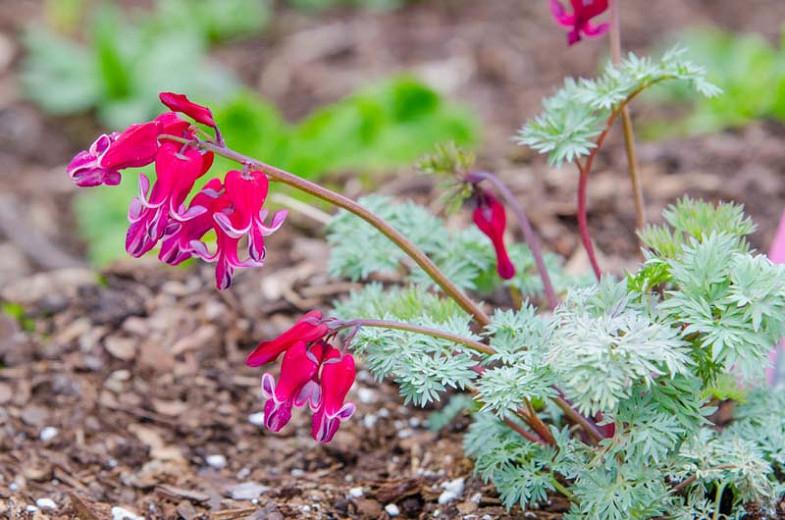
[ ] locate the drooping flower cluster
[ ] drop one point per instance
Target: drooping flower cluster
(490, 217)
(579, 21)
(313, 372)
(232, 207)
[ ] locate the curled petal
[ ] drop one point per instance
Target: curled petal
(309, 328)
(560, 14)
(337, 378)
(325, 425)
(595, 31)
(181, 103)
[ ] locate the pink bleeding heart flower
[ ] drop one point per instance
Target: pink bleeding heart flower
(337, 377)
(579, 21)
(777, 255)
(181, 103)
(490, 217)
(309, 328)
(242, 216)
(299, 367)
(181, 232)
(177, 167)
(110, 153)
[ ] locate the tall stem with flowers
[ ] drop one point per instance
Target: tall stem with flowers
(601, 396)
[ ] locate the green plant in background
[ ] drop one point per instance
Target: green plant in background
(319, 5)
(122, 66)
(749, 70)
(384, 126)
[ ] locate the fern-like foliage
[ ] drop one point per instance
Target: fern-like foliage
(574, 117)
(357, 251)
(642, 355)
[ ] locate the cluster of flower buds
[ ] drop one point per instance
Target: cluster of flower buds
(313, 372)
(490, 217)
(232, 207)
(579, 21)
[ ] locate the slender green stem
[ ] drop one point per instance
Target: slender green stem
(428, 331)
(626, 120)
(561, 488)
(341, 201)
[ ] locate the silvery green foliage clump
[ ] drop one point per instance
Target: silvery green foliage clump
(646, 353)
(575, 116)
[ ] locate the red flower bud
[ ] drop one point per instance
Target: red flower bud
(491, 219)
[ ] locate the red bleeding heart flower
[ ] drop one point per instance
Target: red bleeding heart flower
(110, 153)
(579, 21)
(337, 377)
(317, 375)
(310, 328)
(180, 103)
(181, 233)
(240, 215)
(299, 367)
(489, 216)
(177, 167)
(232, 207)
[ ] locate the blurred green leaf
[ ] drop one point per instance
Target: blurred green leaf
(748, 69)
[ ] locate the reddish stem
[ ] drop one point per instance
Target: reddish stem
(583, 221)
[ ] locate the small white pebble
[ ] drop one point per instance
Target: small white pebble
(356, 492)
(364, 375)
(48, 433)
(404, 434)
(486, 517)
(529, 514)
(216, 461)
(243, 473)
(369, 421)
(111, 463)
(366, 395)
(13, 486)
(414, 422)
(297, 472)
(399, 425)
(257, 419)
(392, 510)
(31, 509)
(254, 501)
(384, 412)
(452, 489)
(46, 503)
(476, 498)
(248, 490)
(118, 513)
(305, 509)
(437, 512)
(349, 478)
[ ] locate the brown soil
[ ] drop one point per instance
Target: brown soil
(141, 371)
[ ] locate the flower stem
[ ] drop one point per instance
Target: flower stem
(588, 426)
(428, 331)
(561, 488)
(626, 120)
(522, 432)
(583, 219)
(341, 201)
(529, 236)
